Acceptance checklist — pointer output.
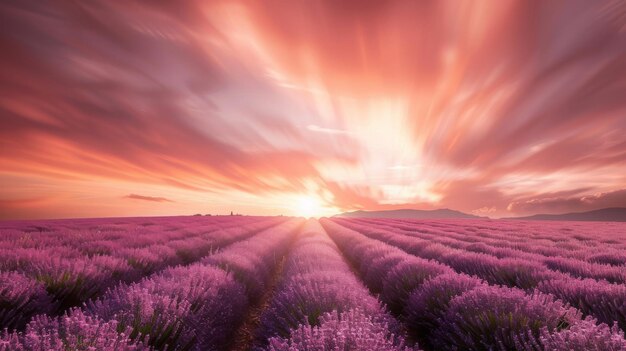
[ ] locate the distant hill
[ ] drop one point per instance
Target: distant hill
(407, 213)
(614, 214)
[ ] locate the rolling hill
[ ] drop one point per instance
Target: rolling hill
(613, 214)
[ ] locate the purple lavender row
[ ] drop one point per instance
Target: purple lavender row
(75, 330)
(575, 236)
(50, 285)
(198, 307)
(123, 245)
(445, 310)
(58, 284)
(191, 249)
(86, 235)
(604, 301)
(614, 273)
(195, 307)
(117, 244)
(201, 315)
(607, 302)
(253, 261)
(125, 254)
(23, 297)
(571, 240)
(577, 266)
(435, 291)
(599, 258)
(320, 305)
(552, 239)
(510, 272)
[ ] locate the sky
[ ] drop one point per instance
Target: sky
(129, 108)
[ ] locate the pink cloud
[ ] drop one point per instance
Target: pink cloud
(581, 203)
(147, 198)
(331, 96)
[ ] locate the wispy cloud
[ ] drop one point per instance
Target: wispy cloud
(319, 129)
(403, 167)
(580, 203)
(484, 211)
(147, 198)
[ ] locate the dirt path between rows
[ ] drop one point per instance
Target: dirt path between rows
(243, 339)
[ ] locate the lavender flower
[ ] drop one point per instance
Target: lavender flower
(585, 336)
(427, 305)
(316, 281)
(351, 330)
(407, 276)
(21, 298)
(500, 318)
(72, 331)
(606, 302)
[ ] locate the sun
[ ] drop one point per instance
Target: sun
(308, 207)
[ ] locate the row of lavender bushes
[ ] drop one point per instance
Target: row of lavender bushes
(602, 299)
(193, 307)
(42, 283)
(579, 259)
(445, 310)
(572, 240)
(598, 298)
(319, 304)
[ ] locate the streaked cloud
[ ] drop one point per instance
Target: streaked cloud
(318, 129)
(484, 211)
(561, 204)
(246, 105)
(403, 167)
(147, 198)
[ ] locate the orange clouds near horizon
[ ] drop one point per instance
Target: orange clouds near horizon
(153, 108)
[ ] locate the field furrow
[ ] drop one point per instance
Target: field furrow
(319, 304)
(445, 310)
(58, 283)
(608, 265)
(598, 298)
(235, 283)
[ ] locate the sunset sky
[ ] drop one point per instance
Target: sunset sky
(497, 108)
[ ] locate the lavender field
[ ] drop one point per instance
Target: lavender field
(283, 283)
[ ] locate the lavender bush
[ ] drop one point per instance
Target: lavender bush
(427, 305)
(584, 336)
(71, 273)
(407, 276)
(20, 298)
(316, 282)
(189, 283)
(500, 319)
(350, 330)
(527, 271)
(606, 302)
(72, 331)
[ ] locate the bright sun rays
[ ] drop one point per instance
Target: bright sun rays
(309, 207)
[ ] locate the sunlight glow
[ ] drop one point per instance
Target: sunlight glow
(308, 207)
